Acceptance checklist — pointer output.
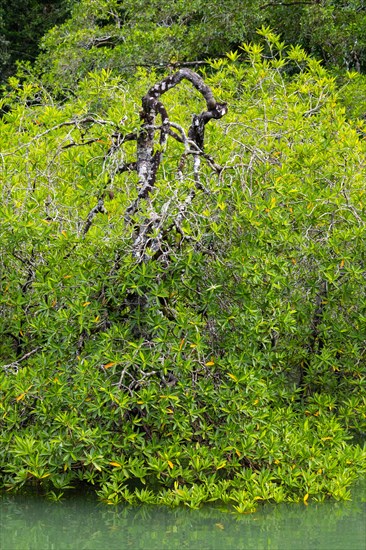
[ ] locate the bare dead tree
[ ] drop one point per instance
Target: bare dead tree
(151, 140)
(150, 151)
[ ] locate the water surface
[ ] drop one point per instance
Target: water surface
(81, 522)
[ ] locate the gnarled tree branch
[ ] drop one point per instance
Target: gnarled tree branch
(149, 153)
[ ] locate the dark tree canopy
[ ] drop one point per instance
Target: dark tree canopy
(22, 25)
(123, 35)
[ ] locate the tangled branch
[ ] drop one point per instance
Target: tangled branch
(150, 153)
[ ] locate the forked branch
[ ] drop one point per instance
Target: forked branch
(150, 150)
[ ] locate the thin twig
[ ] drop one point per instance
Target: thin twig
(14, 365)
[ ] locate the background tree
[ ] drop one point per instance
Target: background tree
(22, 24)
(111, 34)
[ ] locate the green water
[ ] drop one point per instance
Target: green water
(80, 522)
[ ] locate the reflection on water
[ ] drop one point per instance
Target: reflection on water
(80, 522)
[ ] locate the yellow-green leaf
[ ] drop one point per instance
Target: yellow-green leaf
(20, 397)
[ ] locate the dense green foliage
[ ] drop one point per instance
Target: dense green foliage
(232, 366)
(122, 35)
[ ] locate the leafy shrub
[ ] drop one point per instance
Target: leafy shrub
(230, 365)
